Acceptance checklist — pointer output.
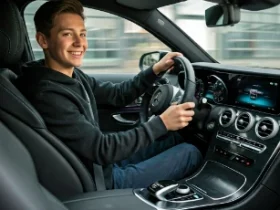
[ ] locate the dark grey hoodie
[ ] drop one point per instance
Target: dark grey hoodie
(69, 109)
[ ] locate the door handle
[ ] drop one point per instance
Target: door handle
(122, 120)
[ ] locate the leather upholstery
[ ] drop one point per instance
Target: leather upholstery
(59, 170)
(20, 189)
(11, 34)
(15, 102)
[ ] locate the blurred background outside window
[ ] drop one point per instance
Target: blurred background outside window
(254, 41)
(115, 44)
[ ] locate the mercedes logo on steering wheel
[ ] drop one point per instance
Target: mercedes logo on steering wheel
(156, 99)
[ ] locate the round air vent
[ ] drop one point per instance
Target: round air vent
(244, 122)
(227, 117)
(266, 128)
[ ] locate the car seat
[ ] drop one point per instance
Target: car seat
(58, 168)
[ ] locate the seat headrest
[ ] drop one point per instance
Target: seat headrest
(12, 34)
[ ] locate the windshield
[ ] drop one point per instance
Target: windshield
(254, 41)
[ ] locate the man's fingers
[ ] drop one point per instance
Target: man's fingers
(185, 119)
(189, 113)
(174, 103)
(187, 105)
(170, 69)
(183, 125)
(171, 55)
(169, 62)
(174, 54)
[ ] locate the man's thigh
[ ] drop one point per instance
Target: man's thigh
(172, 164)
(163, 143)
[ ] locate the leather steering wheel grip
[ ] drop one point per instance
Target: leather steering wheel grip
(189, 82)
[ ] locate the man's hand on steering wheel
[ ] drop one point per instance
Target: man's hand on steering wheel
(166, 63)
(177, 116)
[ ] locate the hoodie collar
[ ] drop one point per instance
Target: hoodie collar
(38, 71)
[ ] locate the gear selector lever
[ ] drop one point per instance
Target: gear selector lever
(183, 189)
(160, 188)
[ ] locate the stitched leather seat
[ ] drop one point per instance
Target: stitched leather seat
(58, 169)
(19, 185)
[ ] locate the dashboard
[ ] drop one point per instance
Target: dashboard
(241, 121)
(220, 87)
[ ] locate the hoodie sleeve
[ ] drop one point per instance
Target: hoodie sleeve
(123, 93)
(64, 120)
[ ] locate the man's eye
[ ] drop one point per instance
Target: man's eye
(67, 34)
(83, 35)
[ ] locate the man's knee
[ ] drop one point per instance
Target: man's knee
(193, 154)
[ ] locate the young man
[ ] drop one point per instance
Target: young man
(66, 98)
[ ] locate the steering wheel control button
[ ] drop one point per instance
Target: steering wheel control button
(163, 81)
(210, 126)
(183, 189)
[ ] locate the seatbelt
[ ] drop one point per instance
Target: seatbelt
(99, 177)
(97, 169)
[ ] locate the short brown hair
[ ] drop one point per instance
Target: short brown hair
(48, 11)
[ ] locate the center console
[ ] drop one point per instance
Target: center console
(243, 146)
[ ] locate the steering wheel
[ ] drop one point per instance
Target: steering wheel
(167, 94)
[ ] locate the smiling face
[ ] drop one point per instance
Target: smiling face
(66, 45)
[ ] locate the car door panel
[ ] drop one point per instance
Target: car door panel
(113, 119)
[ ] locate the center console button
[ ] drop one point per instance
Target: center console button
(161, 188)
(183, 189)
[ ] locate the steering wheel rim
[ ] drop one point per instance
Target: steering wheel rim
(188, 92)
(189, 82)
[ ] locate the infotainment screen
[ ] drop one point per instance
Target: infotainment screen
(260, 93)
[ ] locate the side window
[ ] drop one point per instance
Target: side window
(114, 43)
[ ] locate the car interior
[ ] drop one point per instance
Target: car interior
(237, 137)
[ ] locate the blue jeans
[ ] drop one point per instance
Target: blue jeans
(167, 158)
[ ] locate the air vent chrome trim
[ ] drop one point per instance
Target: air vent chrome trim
(275, 128)
(233, 115)
(250, 124)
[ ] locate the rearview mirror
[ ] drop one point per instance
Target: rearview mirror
(222, 15)
(151, 58)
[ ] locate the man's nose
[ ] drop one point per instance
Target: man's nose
(77, 41)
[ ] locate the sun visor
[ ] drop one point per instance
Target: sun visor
(147, 4)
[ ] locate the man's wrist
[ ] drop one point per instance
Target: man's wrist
(163, 121)
(156, 69)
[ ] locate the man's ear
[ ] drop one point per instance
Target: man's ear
(42, 40)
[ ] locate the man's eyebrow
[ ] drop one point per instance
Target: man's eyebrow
(70, 29)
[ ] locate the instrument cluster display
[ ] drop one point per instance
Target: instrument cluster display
(217, 89)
